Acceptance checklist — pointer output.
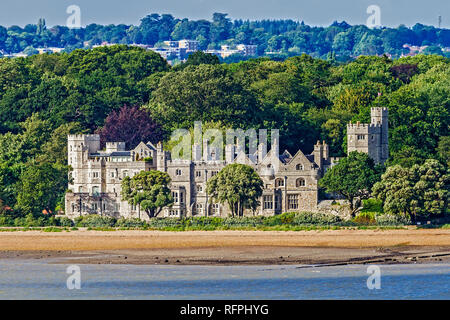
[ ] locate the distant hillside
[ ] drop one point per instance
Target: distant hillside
(278, 38)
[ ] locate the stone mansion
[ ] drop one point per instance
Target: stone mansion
(96, 175)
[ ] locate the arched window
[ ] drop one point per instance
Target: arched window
(215, 209)
(299, 167)
(279, 183)
(300, 182)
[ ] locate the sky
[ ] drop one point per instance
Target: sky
(313, 12)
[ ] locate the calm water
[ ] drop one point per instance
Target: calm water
(40, 280)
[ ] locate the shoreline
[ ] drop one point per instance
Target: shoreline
(309, 248)
(304, 257)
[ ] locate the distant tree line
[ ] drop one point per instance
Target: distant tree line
(282, 38)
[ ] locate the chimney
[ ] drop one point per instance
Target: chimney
(206, 151)
(262, 146)
(197, 152)
(230, 150)
(326, 151)
(318, 154)
(262, 151)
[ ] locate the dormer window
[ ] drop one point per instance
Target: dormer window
(299, 167)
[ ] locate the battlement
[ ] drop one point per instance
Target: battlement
(378, 109)
(363, 126)
(115, 146)
(81, 141)
(83, 137)
(371, 138)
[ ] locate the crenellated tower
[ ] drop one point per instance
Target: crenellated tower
(370, 138)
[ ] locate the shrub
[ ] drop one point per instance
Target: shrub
(130, 223)
(204, 221)
(372, 205)
(285, 218)
(51, 229)
(6, 221)
(243, 222)
(164, 223)
(20, 222)
(392, 220)
(365, 218)
(95, 221)
(65, 222)
(316, 218)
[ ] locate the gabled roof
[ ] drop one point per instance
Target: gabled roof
(268, 159)
(242, 158)
(148, 146)
(303, 157)
(151, 146)
(285, 157)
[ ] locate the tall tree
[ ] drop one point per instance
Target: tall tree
(421, 190)
(353, 178)
(41, 187)
(148, 189)
(237, 185)
(202, 93)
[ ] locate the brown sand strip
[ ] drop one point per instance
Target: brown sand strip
(99, 240)
(331, 247)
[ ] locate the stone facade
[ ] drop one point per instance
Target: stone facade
(370, 138)
(97, 175)
(290, 181)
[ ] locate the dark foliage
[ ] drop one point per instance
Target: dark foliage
(130, 125)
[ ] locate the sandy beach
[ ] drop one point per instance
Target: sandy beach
(230, 247)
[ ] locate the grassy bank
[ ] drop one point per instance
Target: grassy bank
(285, 222)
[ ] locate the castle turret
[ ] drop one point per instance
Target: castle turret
(381, 116)
(370, 138)
(79, 145)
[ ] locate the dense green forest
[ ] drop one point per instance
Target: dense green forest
(285, 38)
(45, 97)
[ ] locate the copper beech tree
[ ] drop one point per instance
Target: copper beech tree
(130, 125)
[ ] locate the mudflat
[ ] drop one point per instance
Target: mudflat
(230, 247)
